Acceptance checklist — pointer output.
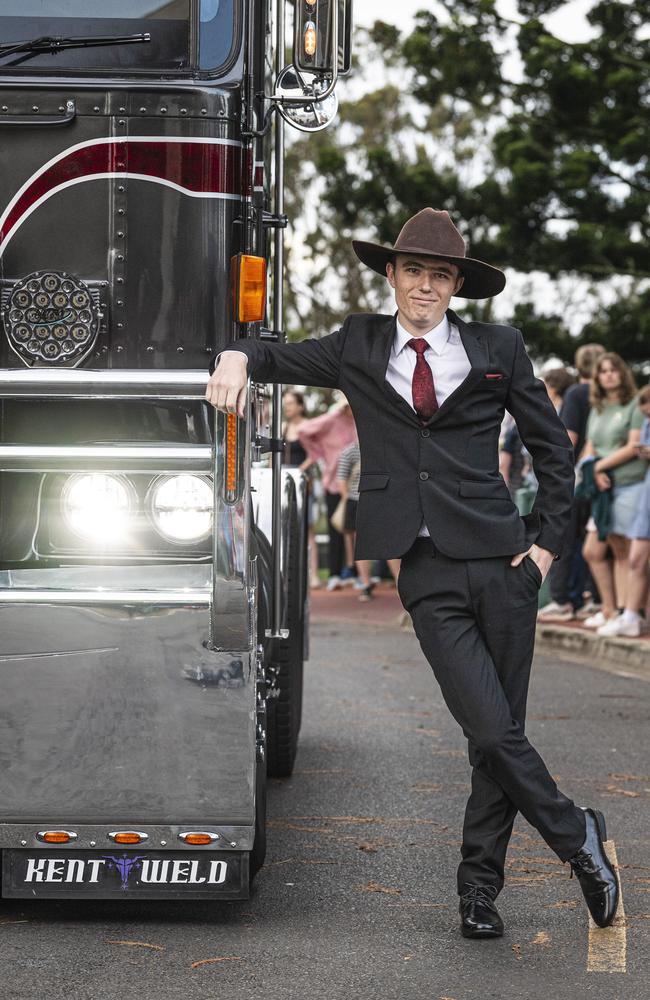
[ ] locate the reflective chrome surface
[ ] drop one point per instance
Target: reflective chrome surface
(232, 625)
(112, 458)
(161, 837)
(163, 598)
(293, 484)
(308, 113)
(76, 383)
(122, 716)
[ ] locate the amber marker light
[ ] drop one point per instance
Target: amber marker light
(310, 38)
(250, 288)
(231, 454)
(128, 837)
(198, 839)
(57, 836)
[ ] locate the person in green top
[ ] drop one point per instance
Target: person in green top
(613, 432)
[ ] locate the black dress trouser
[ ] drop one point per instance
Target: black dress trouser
(475, 620)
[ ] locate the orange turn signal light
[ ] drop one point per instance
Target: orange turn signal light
(231, 453)
(249, 288)
(57, 836)
(128, 837)
(198, 839)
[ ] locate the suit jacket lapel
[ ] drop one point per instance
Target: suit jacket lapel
(379, 358)
(477, 354)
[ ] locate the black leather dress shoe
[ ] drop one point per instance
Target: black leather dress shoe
(479, 916)
(594, 871)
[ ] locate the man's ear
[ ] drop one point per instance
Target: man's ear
(460, 280)
(390, 273)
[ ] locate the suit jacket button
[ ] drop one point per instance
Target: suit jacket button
(424, 475)
(425, 433)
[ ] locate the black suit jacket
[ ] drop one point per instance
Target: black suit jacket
(445, 470)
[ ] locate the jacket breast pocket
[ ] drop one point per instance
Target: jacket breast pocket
(495, 489)
(373, 481)
(493, 380)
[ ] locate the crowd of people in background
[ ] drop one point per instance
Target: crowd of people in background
(326, 447)
(601, 577)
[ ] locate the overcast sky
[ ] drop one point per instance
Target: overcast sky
(568, 23)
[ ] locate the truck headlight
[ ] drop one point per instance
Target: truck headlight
(97, 506)
(181, 507)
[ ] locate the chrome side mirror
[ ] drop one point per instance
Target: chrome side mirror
(308, 114)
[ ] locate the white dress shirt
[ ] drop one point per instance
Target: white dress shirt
(446, 358)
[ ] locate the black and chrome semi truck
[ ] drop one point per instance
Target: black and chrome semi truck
(153, 565)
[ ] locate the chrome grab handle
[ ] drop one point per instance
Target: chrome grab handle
(41, 120)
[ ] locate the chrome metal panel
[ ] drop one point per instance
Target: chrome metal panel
(162, 598)
(300, 481)
(112, 458)
(76, 383)
(263, 514)
(101, 578)
(161, 838)
(122, 716)
(263, 497)
(234, 596)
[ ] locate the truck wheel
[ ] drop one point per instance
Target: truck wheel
(259, 844)
(285, 710)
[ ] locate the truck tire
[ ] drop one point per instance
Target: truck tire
(258, 853)
(285, 710)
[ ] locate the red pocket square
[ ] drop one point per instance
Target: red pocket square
(493, 375)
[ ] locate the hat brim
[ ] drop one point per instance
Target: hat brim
(482, 281)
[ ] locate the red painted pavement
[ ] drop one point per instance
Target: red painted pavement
(384, 608)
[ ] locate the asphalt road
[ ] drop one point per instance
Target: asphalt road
(357, 900)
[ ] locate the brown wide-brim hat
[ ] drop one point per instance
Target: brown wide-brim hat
(431, 233)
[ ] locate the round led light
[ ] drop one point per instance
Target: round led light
(97, 506)
(181, 507)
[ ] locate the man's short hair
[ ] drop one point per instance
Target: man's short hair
(586, 357)
(558, 379)
(644, 395)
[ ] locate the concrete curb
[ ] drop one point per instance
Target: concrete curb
(586, 644)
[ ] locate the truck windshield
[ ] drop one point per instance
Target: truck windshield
(167, 21)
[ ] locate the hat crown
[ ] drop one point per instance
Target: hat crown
(430, 232)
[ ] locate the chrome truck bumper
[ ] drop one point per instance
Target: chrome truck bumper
(130, 693)
(120, 716)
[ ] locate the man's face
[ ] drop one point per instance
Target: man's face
(423, 288)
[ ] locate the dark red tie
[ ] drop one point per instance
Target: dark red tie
(424, 393)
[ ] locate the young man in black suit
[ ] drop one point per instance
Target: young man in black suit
(428, 392)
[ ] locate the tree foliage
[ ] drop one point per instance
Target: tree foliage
(545, 166)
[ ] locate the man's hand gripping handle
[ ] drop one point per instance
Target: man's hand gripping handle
(226, 389)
